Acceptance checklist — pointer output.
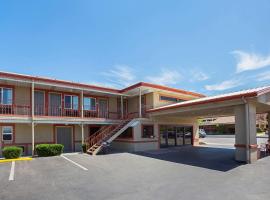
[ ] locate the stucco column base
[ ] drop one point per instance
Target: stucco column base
(241, 155)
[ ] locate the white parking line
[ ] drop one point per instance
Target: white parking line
(12, 169)
(77, 164)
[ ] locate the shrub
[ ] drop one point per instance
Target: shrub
(84, 148)
(12, 152)
(45, 150)
(259, 130)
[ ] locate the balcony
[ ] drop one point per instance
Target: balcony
(54, 111)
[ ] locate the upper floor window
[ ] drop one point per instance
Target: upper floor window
(6, 96)
(71, 102)
(171, 99)
(7, 132)
(89, 103)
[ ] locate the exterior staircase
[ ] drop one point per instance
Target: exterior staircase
(105, 135)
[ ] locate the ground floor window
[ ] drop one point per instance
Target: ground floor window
(147, 131)
(7, 133)
(175, 135)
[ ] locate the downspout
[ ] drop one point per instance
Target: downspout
(247, 129)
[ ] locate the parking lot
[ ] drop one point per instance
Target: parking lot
(177, 173)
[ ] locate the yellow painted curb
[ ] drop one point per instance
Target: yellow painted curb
(15, 159)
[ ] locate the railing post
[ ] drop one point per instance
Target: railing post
(82, 106)
(122, 108)
(140, 103)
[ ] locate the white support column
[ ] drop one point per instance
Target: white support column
(82, 129)
(196, 137)
(82, 111)
(33, 116)
(245, 133)
(140, 103)
(33, 138)
(268, 122)
(122, 108)
(33, 100)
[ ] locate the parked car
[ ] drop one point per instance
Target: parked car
(202, 133)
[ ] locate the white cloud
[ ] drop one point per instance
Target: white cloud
(166, 77)
(250, 61)
(198, 75)
(120, 75)
(265, 76)
(106, 85)
(225, 85)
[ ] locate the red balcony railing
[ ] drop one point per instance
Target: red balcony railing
(58, 111)
(15, 110)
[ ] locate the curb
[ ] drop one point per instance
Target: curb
(15, 159)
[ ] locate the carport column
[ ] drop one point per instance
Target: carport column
(245, 133)
(196, 137)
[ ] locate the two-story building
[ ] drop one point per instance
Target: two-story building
(144, 116)
(35, 110)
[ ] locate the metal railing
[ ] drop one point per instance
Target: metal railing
(15, 110)
(59, 111)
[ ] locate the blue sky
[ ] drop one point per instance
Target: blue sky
(205, 46)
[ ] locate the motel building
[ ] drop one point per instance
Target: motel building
(144, 116)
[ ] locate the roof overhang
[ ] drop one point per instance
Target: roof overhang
(220, 105)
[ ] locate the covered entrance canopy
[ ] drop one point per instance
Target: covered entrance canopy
(243, 105)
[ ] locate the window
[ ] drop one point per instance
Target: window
(6, 96)
(7, 132)
(148, 131)
(71, 102)
(89, 103)
(171, 99)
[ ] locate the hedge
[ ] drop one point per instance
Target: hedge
(12, 152)
(84, 148)
(45, 150)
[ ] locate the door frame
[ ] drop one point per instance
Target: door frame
(179, 125)
(106, 99)
(61, 100)
(72, 134)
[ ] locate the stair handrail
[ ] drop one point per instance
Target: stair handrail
(106, 132)
(96, 133)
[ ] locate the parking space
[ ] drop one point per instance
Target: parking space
(135, 176)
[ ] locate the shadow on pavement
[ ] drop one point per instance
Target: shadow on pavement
(221, 159)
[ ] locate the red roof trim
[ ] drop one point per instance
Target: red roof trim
(49, 80)
(33, 78)
(162, 88)
(252, 94)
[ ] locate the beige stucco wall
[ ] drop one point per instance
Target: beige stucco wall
(22, 95)
(113, 104)
(149, 100)
(133, 104)
(158, 103)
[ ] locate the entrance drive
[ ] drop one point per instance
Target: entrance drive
(64, 137)
(175, 135)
